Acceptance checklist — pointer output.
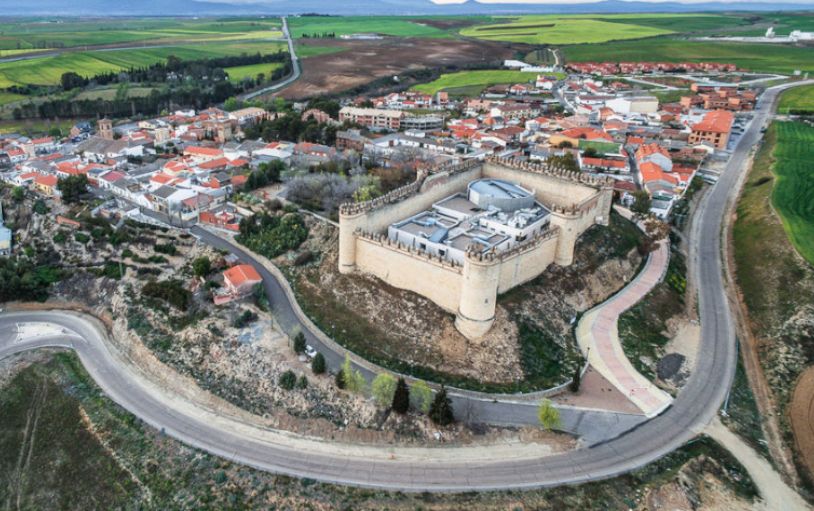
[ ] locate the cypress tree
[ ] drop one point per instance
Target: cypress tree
(441, 409)
(401, 398)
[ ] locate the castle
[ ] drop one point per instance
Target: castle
(462, 235)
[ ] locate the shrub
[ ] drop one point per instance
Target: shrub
(202, 266)
(299, 343)
(304, 258)
(287, 380)
(171, 291)
(422, 395)
(383, 388)
(60, 237)
(401, 397)
(165, 248)
(244, 319)
(441, 409)
(354, 381)
(339, 379)
(302, 383)
(39, 207)
(548, 416)
(81, 237)
(271, 235)
(318, 364)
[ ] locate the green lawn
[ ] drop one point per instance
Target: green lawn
(793, 193)
(49, 70)
(385, 25)
(240, 72)
(305, 51)
(772, 58)
(798, 98)
(479, 78)
(564, 30)
(68, 33)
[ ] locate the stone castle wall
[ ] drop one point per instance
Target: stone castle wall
(577, 202)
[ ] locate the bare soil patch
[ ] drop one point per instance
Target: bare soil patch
(801, 414)
(364, 61)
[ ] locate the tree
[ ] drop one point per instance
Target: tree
(590, 152)
(302, 383)
(288, 379)
(441, 409)
(401, 397)
(318, 364)
(641, 203)
(71, 80)
(202, 266)
(576, 381)
(72, 188)
(18, 193)
(354, 381)
(548, 416)
(299, 343)
(422, 395)
(339, 379)
(383, 389)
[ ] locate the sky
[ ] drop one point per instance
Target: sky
(562, 2)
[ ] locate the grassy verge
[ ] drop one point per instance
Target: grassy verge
(797, 100)
(77, 472)
(742, 415)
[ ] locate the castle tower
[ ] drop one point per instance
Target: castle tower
(349, 221)
(476, 310)
(105, 128)
(567, 239)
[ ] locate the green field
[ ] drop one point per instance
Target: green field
(305, 51)
(798, 98)
(562, 30)
(72, 33)
(48, 70)
(110, 93)
(238, 73)
(385, 25)
(479, 78)
(793, 193)
(770, 58)
(8, 97)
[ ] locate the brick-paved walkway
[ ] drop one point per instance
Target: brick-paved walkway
(598, 337)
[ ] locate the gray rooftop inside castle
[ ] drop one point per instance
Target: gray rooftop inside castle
(493, 214)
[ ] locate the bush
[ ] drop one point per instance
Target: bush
(166, 248)
(202, 266)
(441, 409)
(422, 395)
(171, 291)
(318, 364)
(401, 397)
(304, 258)
(302, 383)
(244, 319)
(339, 379)
(299, 343)
(81, 237)
(354, 381)
(271, 235)
(287, 380)
(39, 207)
(60, 237)
(383, 388)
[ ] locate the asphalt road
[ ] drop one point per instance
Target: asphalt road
(692, 410)
(295, 68)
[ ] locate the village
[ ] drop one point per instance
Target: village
(184, 167)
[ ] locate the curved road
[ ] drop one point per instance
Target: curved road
(692, 410)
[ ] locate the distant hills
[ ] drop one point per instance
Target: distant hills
(101, 8)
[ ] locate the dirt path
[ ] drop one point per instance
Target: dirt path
(764, 397)
(775, 493)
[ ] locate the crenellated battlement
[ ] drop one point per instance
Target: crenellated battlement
(553, 170)
(355, 208)
(385, 241)
(499, 256)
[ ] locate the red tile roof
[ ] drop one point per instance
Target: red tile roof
(717, 121)
(241, 274)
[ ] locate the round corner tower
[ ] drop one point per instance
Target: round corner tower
(476, 309)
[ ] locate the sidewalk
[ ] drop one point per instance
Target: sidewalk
(598, 338)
